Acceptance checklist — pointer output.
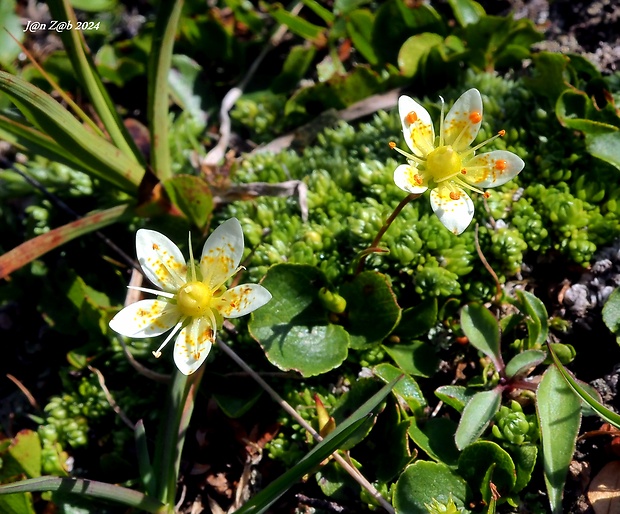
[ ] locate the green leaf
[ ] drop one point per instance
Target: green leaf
(455, 396)
(295, 67)
(466, 11)
(559, 417)
(476, 417)
(296, 24)
(293, 328)
(417, 320)
(537, 322)
(369, 296)
(414, 52)
(34, 248)
(548, 78)
(416, 358)
(435, 437)
(10, 23)
(325, 14)
(407, 389)
(605, 413)
(359, 27)
(422, 482)
(147, 477)
(192, 196)
(264, 499)
(17, 504)
(523, 362)
(90, 488)
(94, 5)
(99, 157)
(611, 313)
(185, 87)
(482, 330)
(605, 146)
(22, 456)
(166, 23)
(346, 6)
(478, 458)
(524, 457)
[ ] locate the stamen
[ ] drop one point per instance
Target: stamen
(191, 258)
(176, 328)
(466, 185)
(441, 120)
(411, 117)
(392, 145)
(152, 291)
(500, 164)
(455, 195)
(409, 156)
(472, 150)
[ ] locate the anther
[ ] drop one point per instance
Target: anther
(502, 133)
(418, 180)
(392, 145)
(464, 171)
(411, 117)
(454, 195)
(486, 194)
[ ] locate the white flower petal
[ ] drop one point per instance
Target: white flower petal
(404, 177)
(417, 125)
(161, 260)
(193, 345)
(242, 300)
(146, 318)
(222, 253)
(456, 211)
(492, 169)
(462, 123)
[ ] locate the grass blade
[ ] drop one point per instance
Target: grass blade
(263, 500)
(30, 250)
(85, 487)
(85, 69)
(159, 67)
(98, 155)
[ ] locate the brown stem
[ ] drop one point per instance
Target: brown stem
(383, 230)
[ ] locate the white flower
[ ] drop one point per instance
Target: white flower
(194, 298)
(448, 165)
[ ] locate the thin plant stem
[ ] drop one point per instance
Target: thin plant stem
(383, 230)
(488, 267)
(355, 474)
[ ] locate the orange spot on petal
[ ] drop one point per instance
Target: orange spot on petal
(475, 117)
(501, 164)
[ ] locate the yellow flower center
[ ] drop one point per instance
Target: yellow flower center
(194, 299)
(443, 163)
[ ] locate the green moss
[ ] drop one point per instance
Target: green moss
(563, 200)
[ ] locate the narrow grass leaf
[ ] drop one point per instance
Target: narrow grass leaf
(86, 71)
(263, 500)
(34, 248)
(98, 155)
(605, 413)
(91, 488)
(159, 68)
